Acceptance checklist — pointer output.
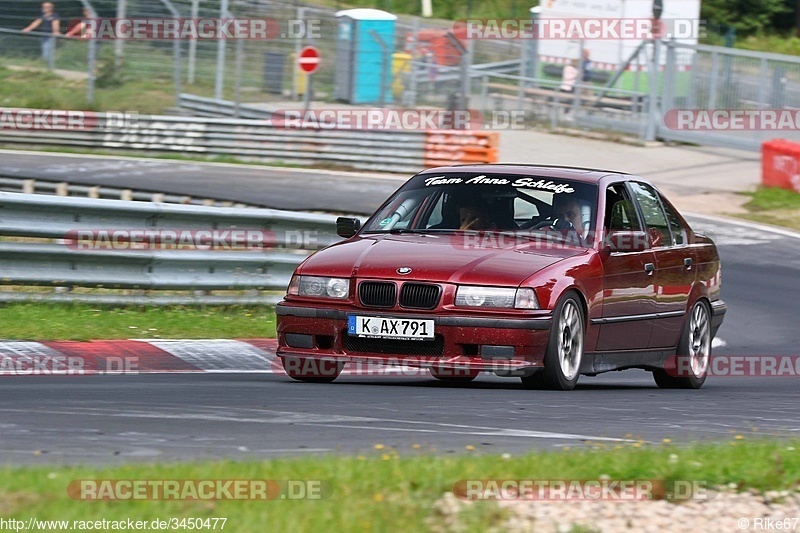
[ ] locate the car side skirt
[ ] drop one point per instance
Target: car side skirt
(600, 362)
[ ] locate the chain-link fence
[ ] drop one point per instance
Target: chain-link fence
(420, 63)
(731, 80)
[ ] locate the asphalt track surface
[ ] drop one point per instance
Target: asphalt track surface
(277, 188)
(118, 419)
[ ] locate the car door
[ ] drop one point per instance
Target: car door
(675, 272)
(628, 281)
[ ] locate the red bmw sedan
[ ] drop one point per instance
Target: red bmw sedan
(538, 272)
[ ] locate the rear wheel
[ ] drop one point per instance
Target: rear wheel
(694, 352)
(562, 360)
(311, 370)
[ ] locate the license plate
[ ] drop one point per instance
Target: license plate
(414, 329)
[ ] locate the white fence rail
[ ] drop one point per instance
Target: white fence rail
(399, 151)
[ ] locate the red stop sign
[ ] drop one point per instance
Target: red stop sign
(309, 59)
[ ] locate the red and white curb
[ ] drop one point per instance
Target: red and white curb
(25, 358)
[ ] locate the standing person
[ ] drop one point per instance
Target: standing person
(50, 23)
(569, 77)
(79, 30)
(586, 66)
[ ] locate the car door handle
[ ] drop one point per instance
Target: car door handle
(687, 262)
(649, 268)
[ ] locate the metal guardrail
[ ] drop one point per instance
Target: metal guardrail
(43, 248)
(400, 151)
(60, 187)
(200, 106)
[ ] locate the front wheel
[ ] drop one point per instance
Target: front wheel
(694, 352)
(311, 370)
(562, 360)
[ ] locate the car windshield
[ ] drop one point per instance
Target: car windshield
(525, 205)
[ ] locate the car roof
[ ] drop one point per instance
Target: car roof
(587, 175)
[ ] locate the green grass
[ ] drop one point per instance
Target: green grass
(390, 489)
(773, 205)
(43, 321)
(45, 90)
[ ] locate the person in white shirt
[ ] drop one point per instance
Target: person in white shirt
(569, 77)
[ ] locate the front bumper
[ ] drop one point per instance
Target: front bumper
(489, 343)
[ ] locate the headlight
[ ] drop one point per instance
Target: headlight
(319, 287)
(474, 296)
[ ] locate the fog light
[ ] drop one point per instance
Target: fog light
(297, 340)
(490, 351)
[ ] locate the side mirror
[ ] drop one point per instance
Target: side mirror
(347, 227)
(626, 241)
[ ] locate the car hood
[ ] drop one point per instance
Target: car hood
(486, 259)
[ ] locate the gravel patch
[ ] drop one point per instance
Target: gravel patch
(727, 510)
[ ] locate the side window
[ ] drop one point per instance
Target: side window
(652, 212)
(620, 211)
(678, 231)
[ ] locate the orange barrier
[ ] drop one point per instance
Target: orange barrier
(780, 164)
(452, 147)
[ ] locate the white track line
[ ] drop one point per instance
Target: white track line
(751, 225)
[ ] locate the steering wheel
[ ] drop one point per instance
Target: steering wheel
(558, 224)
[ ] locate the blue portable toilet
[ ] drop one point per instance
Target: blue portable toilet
(364, 48)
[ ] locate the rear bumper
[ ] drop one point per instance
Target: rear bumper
(475, 342)
(718, 310)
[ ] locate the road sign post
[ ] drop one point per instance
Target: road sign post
(308, 61)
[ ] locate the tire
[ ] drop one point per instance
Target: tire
(562, 359)
(310, 370)
(693, 354)
(445, 376)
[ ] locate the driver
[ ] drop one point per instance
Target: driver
(569, 208)
(474, 217)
